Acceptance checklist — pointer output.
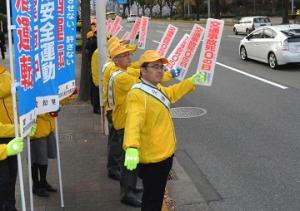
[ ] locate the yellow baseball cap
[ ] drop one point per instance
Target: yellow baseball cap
(118, 49)
(112, 40)
(152, 56)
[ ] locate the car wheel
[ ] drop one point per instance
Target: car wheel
(243, 53)
(272, 61)
(247, 31)
(235, 31)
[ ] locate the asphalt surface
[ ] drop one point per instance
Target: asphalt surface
(243, 154)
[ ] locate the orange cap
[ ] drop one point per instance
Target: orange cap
(117, 49)
(152, 56)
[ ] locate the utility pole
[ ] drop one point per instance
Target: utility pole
(292, 7)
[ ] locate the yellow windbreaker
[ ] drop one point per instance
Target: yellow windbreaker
(110, 69)
(95, 66)
(6, 130)
(3, 152)
(149, 126)
(44, 126)
(6, 104)
(121, 86)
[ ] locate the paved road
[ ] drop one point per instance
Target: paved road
(244, 153)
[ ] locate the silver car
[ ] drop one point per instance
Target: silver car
(275, 45)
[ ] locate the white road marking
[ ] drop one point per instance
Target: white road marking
(186, 30)
(253, 76)
(160, 31)
(235, 36)
(155, 41)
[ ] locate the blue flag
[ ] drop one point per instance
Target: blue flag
(45, 55)
(66, 47)
(122, 1)
(22, 16)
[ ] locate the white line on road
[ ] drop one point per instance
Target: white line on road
(160, 31)
(253, 76)
(186, 30)
(235, 36)
(155, 41)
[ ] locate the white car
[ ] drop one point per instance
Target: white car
(131, 18)
(249, 24)
(275, 45)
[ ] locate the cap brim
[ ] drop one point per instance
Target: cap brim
(162, 59)
(125, 50)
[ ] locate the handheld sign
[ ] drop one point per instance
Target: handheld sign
(190, 50)
(115, 26)
(143, 33)
(210, 49)
(135, 30)
(126, 36)
(116, 30)
(108, 25)
(176, 53)
(167, 39)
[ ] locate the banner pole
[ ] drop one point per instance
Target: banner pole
(29, 173)
(13, 92)
(101, 40)
(62, 203)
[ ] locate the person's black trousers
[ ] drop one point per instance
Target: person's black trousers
(8, 177)
(114, 147)
(95, 98)
(128, 178)
(154, 176)
(2, 47)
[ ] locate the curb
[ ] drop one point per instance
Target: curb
(183, 191)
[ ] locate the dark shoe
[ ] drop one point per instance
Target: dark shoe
(40, 191)
(115, 175)
(131, 201)
(138, 190)
(49, 188)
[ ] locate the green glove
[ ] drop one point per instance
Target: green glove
(15, 146)
(131, 158)
(33, 130)
(198, 78)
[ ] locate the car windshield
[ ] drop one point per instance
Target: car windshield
(291, 32)
(262, 20)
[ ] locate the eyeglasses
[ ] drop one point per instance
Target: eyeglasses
(156, 66)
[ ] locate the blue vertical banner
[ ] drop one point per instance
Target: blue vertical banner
(22, 17)
(66, 46)
(122, 1)
(46, 55)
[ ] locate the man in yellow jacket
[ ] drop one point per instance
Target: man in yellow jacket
(8, 166)
(119, 84)
(149, 131)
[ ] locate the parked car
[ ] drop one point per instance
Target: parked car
(275, 45)
(131, 18)
(249, 24)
